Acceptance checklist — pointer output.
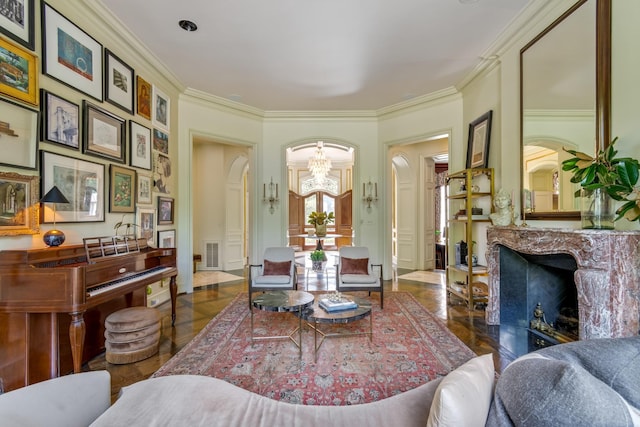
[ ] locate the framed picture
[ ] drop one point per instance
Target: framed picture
(18, 73)
(165, 210)
(60, 119)
(140, 145)
(167, 238)
(122, 189)
(144, 186)
(118, 82)
(479, 137)
(144, 92)
(104, 133)
(160, 141)
(16, 22)
(81, 182)
(162, 167)
(19, 203)
(161, 108)
(146, 220)
(70, 55)
(18, 136)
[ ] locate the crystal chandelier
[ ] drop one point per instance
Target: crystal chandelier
(319, 165)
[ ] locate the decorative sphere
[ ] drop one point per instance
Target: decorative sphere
(53, 238)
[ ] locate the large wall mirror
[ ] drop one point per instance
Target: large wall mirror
(565, 93)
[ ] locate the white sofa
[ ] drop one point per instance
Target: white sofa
(586, 383)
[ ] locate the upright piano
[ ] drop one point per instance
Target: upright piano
(53, 302)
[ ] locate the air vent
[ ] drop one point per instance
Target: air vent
(211, 255)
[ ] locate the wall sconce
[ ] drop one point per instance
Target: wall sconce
(369, 193)
(272, 198)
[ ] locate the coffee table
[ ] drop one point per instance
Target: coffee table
(315, 315)
(283, 301)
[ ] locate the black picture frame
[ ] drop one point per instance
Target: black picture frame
(103, 133)
(119, 86)
(19, 26)
(479, 138)
(60, 121)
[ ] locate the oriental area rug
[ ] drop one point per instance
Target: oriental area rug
(410, 347)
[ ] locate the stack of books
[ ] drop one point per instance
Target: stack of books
(331, 306)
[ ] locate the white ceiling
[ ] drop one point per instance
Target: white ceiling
(319, 54)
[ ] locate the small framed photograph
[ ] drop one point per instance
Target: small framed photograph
(145, 186)
(165, 210)
(167, 238)
(104, 133)
(140, 146)
(118, 82)
(18, 136)
(18, 73)
(144, 92)
(19, 196)
(81, 182)
(60, 120)
(161, 109)
(160, 141)
(122, 189)
(146, 221)
(70, 55)
(479, 137)
(16, 22)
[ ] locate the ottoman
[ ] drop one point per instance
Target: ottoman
(132, 334)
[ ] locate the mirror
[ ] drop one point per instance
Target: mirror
(565, 92)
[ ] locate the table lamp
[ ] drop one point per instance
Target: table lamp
(54, 237)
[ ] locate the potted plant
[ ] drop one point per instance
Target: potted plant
(317, 258)
(601, 179)
(320, 220)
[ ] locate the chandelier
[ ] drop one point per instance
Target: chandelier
(319, 165)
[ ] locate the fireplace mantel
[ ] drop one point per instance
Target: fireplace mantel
(607, 279)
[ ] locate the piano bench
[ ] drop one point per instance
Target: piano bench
(132, 334)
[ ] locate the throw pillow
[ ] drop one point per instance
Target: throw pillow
(464, 396)
(275, 268)
(354, 265)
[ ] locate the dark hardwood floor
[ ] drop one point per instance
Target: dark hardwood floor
(195, 310)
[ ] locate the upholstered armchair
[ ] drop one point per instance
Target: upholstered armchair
(276, 273)
(354, 271)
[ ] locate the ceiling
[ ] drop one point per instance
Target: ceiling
(314, 55)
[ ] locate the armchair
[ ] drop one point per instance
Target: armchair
(276, 273)
(354, 272)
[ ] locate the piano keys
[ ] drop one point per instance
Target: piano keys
(53, 303)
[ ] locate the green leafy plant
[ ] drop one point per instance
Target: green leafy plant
(617, 176)
(319, 218)
(317, 255)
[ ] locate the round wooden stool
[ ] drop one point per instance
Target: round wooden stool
(132, 334)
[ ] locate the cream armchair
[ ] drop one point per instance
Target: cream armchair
(354, 272)
(276, 273)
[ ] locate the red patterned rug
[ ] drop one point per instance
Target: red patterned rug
(410, 347)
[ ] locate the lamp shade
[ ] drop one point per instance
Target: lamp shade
(54, 196)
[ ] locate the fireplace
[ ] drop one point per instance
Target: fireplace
(604, 267)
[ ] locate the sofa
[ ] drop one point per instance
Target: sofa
(585, 383)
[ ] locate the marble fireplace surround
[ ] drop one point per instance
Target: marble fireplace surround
(607, 278)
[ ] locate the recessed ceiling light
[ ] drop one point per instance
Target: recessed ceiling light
(187, 25)
(468, 1)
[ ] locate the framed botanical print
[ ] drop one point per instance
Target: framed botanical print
(167, 238)
(81, 182)
(479, 138)
(165, 210)
(70, 55)
(122, 189)
(118, 82)
(60, 119)
(16, 21)
(19, 76)
(18, 136)
(161, 109)
(104, 133)
(145, 186)
(140, 145)
(146, 221)
(143, 101)
(19, 195)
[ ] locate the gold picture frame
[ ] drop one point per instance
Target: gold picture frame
(19, 207)
(14, 82)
